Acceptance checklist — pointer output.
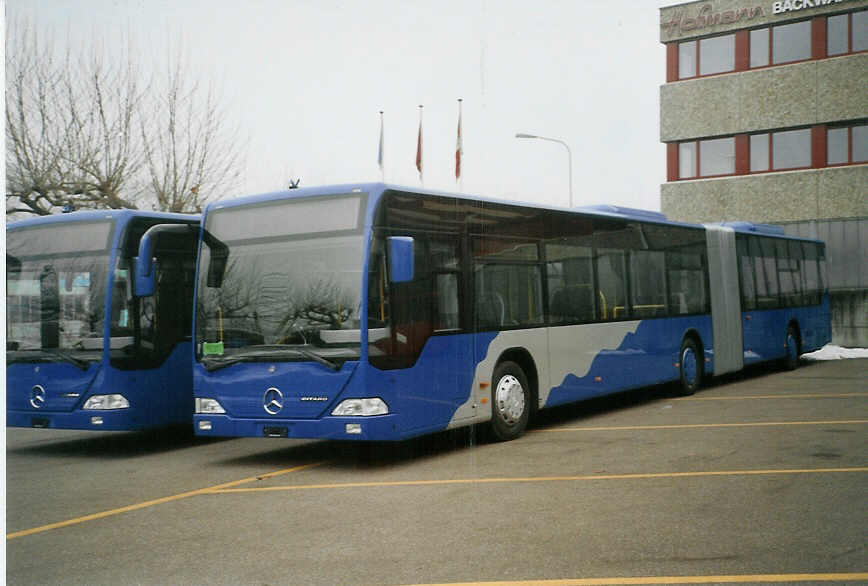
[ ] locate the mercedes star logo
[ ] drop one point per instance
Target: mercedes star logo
(37, 396)
(272, 401)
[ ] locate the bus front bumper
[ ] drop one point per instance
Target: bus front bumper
(98, 420)
(375, 428)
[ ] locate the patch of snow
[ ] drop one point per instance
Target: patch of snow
(832, 352)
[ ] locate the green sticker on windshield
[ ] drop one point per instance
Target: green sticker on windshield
(212, 348)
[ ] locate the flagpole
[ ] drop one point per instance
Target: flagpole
(419, 164)
(381, 152)
(459, 152)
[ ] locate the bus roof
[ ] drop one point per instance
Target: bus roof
(595, 210)
(377, 188)
(92, 215)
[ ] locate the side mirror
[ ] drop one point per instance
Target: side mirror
(400, 258)
(145, 281)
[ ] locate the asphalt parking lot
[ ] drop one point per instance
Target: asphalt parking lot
(758, 478)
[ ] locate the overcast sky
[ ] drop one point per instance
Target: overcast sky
(306, 79)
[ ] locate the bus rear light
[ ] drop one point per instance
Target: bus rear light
(361, 408)
(208, 406)
(106, 402)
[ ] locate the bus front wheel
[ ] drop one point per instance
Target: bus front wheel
(510, 398)
(691, 367)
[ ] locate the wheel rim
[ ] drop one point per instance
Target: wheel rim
(509, 398)
(689, 366)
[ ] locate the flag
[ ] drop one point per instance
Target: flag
(380, 153)
(419, 146)
(459, 147)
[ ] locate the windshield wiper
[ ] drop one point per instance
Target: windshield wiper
(44, 354)
(79, 362)
(265, 352)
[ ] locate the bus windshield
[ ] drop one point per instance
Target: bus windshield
(281, 282)
(55, 299)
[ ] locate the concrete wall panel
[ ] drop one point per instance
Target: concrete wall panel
(773, 197)
(807, 93)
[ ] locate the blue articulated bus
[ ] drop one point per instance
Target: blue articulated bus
(86, 348)
(379, 312)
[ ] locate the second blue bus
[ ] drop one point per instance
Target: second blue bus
(85, 347)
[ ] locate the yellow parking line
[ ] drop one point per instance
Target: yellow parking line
(731, 579)
(701, 425)
(151, 503)
(539, 479)
(781, 396)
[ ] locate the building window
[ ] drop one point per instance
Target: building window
(786, 43)
(759, 47)
(713, 55)
(778, 151)
(759, 153)
(717, 55)
(859, 31)
(791, 42)
(762, 152)
(716, 156)
(847, 145)
(687, 160)
(791, 149)
(687, 59)
(847, 33)
(787, 149)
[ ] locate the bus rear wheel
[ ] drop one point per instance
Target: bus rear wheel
(510, 401)
(691, 367)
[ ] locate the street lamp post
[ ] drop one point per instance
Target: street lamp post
(569, 155)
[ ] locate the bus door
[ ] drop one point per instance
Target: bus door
(165, 325)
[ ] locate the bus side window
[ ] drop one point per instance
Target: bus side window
(570, 281)
(811, 274)
(611, 270)
(746, 275)
(447, 301)
(444, 261)
(647, 293)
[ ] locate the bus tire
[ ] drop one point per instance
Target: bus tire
(791, 360)
(691, 367)
(510, 401)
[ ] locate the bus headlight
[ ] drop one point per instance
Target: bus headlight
(104, 402)
(209, 406)
(361, 407)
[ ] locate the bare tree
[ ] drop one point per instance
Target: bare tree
(90, 131)
(70, 136)
(192, 153)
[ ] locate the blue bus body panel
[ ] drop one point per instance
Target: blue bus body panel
(64, 384)
(647, 357)
(764, 331)
(158, 397)
(421, 399)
